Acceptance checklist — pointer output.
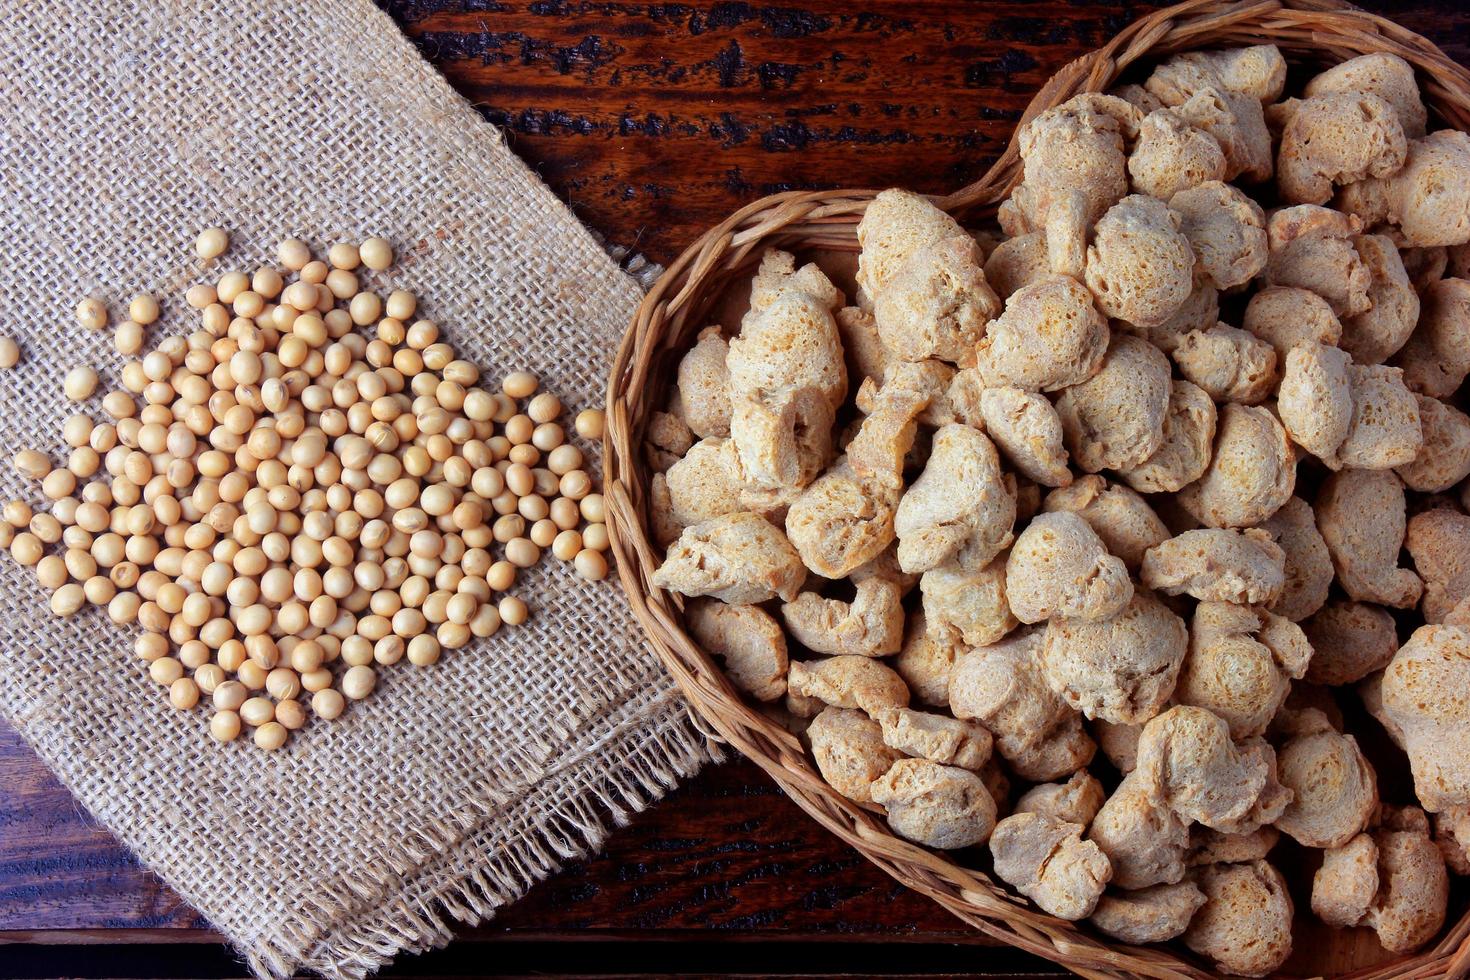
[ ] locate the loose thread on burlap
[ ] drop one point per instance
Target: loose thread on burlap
(573, 830)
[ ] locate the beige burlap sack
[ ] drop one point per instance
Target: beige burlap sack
(125, 127)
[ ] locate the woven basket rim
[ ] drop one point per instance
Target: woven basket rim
(671, 313)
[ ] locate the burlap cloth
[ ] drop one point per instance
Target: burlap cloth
(124, 129)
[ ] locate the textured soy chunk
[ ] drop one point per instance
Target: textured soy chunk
(1350, 640)
(1001, 687)
(787, 374)
(1308, 566)
(871, 625)
(1245, 922)
(937, 738)
(1344, 886)
(740, 558)
(1361, 514)
(1199, 311)
(1047, 860)
(1208, 846)
(1387, 76)
(1140, 267)
(1336, 138)
(937, 303)
(929, 380)
(1076, 147)
(1060, 567)
(842, 521)
(849, 682)
(1218, 565)
(1225, 229)
(1439, 543)
(1413, 894)
(1392, 881)
(1115, 419)
(1144, 840)
(1188, 760)
(1148, 915)
(1385, 431)
(927, 660)
(1028, 431)
(1018, 262)
(1285, 316)
(939, 806)
(959, 507)
(1425, 690)
(896, 224)
(1050, 336)
(783, 439)
(1315, 399)
(887, 432)
(704, 385)
(1428, 200)
(1172, 156)
(1379, 331)
(1227, 363)
(1452, 834)
(1311, 248)
(1123, 520)
(1184, 454)
(1334, 789)
(1075, 801)
(1203, 89)
(749, 642)
(971, 604)
(1436, 357)
(1444, 458)
(1122, 668)
(1251, 473)
(849, 751)
(1240, 665)
(1118, 742)
(705, 483)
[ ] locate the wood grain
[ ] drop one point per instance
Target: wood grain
(657, 119)
(653, 120)
(727, 854)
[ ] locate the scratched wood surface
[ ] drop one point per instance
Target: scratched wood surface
(653, 121)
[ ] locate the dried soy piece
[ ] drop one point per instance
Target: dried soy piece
(961, 426)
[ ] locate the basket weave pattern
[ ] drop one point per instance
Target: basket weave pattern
(1315, 32)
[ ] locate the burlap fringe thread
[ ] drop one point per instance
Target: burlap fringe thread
(574, 829)
(468, 877)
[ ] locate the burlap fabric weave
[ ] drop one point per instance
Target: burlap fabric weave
(125, 127)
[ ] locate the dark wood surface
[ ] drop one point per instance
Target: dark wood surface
(654, 120)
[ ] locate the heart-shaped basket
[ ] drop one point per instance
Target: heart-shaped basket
(1312, 32)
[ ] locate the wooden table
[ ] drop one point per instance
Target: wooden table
(653, 121)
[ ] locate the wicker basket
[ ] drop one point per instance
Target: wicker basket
(1308, 31)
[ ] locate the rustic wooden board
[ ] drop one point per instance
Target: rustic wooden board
(727, 853)
(653, 120)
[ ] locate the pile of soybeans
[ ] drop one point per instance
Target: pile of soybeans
(307, 488)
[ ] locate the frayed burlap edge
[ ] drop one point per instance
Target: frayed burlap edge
(462, 878)
(527, 847)
(635, 264)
